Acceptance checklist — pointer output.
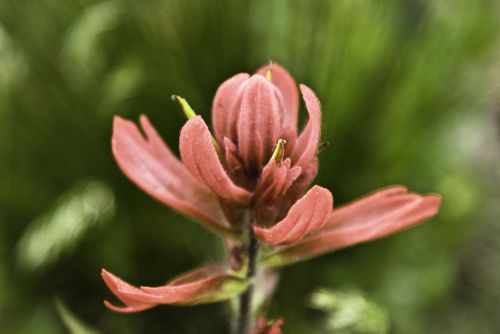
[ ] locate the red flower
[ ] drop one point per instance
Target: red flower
(274, 327)
(206, 284)
(253, 175)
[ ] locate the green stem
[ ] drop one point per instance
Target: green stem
(244, 318)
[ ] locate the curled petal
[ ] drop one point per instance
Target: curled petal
(375, 216)
(207, 284)
(200, 158)
(122, 290)
(307, 215)
(285, 83)
(274, 182)
(259, 121)
(223, 105)
(307, 144)
(298, 187)
(148, 162)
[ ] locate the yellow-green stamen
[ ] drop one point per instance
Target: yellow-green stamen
(279, 151)
(189, 112)
(269, 75)
(186, 108)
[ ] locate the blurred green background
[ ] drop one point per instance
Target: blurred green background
(410, 93)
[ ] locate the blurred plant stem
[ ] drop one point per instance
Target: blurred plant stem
(244, 316)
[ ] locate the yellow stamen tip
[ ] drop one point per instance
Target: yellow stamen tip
(278, 151)
(269, 75)
(186, 108)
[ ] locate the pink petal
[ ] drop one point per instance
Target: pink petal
(264, 328)
(272, 179)
(307, 215)
(233, 160)
(206, 284)
(372, 206)
(200, 158)
(375, 216)
(274, 182)
(285, 83)
(148, 162)
(234, 165)
(259, 122)
(298, 187)
(307, 144)
(223, 105)
(118, 286)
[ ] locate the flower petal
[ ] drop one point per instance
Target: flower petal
(222, 106)
(274, 182)
(285, 83)
(298, 187)
(263, 327)
(234, 165)
(119, 287)
(200, 158)
(149, 163)
(307, 144)
(259, 123)
(307, 215)
(209, 283)
(372, 217)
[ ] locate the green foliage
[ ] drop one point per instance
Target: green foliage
(350, 312)
(409, 96)
(52, 234)
(73, 324)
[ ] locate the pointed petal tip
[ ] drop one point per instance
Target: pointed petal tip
(309, 96)
(113, 307)
(394, 190)
(128, 308)
(306, 146)
(222, 106)
(112, 281)
(118, 124)
(437, 197)
(259, 123)
(271, 65)
(144, 120)
(433, 202)
(108, 277)
(117, 119)
(108, 304)
(284, 81)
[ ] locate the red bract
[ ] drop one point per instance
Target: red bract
(252, 176)
(263, 327)
(374, 216)
(209, 283)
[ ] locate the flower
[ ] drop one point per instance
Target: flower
(252, 174)
(273, 327)
(209, 283)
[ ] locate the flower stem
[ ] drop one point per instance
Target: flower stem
(244, 318)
